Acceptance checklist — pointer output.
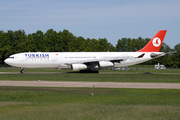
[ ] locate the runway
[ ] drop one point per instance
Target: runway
(90, 84)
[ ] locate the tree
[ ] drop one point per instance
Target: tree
(38, 42)
(177, 47)
(78, 45)
(121, 45)
(111, 47)
(5, 48)
(103, 45)
(176, 56)
(67, 40)
(95, 45)
(23, 44)
(165, 48)
(52, 41)
(88, 45)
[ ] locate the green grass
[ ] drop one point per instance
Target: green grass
(143, 74)
(25, 103)
(15, 69)
(167, 78)
(132, 69)
(19, 103)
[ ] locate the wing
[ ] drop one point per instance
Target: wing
(111, 59)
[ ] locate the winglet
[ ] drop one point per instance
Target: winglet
(155, 43)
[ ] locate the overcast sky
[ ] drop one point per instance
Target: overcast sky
(111, 19)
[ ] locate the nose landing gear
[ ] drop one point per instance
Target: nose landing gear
(22, 70)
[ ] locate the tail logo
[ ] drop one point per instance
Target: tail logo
(156, 42)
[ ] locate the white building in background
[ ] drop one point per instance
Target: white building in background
(158, 66)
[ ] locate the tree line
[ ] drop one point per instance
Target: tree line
(12, 42)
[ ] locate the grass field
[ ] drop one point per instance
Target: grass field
(25, 103)
(131, 77)
(143, 74)
(132, 69)
(32, 103)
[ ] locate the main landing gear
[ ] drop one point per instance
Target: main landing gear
(22, 70)
(89, 71)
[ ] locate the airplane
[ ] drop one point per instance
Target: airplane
(88, 62)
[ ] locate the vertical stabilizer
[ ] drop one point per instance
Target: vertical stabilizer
(155, 43)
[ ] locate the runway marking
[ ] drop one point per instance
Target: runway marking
(90, 84)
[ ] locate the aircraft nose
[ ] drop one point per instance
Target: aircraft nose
(7, 61)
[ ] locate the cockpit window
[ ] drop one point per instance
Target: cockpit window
(11, 57)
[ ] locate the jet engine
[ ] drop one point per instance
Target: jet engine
(78, 66)
(105, 64)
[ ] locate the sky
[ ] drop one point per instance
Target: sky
(110, 19)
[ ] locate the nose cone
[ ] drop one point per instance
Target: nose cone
(8, 61)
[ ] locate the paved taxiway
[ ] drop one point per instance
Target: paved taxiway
(90, 84)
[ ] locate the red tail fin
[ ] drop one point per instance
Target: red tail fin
(155, 43)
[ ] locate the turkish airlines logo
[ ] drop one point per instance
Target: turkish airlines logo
(156, 42)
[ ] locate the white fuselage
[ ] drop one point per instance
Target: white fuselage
(65, 59)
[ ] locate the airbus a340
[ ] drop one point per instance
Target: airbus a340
(88, 61)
